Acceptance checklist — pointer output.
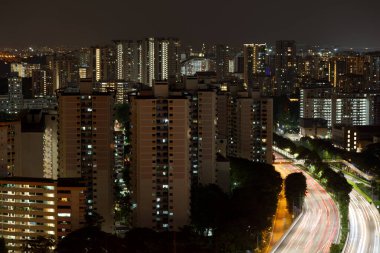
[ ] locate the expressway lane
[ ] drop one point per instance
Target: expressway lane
(318, 227)
(364, 219)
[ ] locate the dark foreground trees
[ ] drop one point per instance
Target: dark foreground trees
(209, 208)
(90, 240)
(139, 240)
(3, 248)
(40, 245)
(252, 204)
(295, 190)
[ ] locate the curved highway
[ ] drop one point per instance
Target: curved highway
(318, 226)
(364, 219)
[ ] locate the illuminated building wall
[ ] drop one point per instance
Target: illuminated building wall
(42, 83)
(254, 63)
(353, 138)
(250, 127)
(352, 111)
(122, 89)
(160, 60)
(15, 97)
(373, 73)
(128, 60)
(222, 60)
(160, 160)
(192, 66)
(50, 146)
(316, 102)
(85, 138)
(33, 207)
(337, 108)
(24, 69)
(103, 63)
(63, 69)
(286, 67)
(204, 120)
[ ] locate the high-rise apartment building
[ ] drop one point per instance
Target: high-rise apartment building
(203, 125)
(319, 100)
(15, 96)
(352, 109)
(160, 127)
(128, 60)
(123, 89)
(64, 69)
(42, 83)
(286, 63)
(28, 146)
(204, 146)
(160, 60)
(32, 207)
(24, 69)
(376, 111)
(85, 141)
(316, 101)
(193, 65)
(84, 63)
(250, 126)
(103, 63)
(222, 57)
(372, 73)
(50, 146)
(254, 64)
(141, 61)
(10, 148)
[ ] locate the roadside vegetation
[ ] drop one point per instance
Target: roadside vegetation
(334, 182)
(295, 191)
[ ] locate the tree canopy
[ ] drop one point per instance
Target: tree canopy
(90, 240)
(3, 247)
(295, 190)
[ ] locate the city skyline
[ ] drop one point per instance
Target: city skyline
(192, 127)
(342, 23)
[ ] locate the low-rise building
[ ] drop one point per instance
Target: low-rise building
(354, 138)
(313, 127)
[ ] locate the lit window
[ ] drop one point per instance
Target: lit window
(64, 215)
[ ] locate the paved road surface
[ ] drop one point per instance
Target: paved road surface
(364, 219)
(318, 227)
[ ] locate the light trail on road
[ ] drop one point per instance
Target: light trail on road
(318, 227)
(364, 236)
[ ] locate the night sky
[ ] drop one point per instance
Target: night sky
(350, 23)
